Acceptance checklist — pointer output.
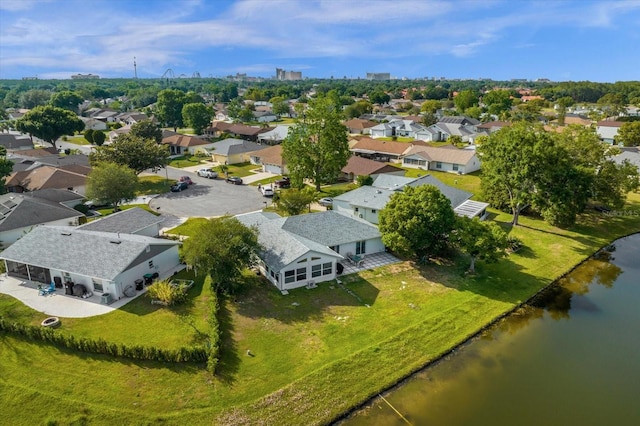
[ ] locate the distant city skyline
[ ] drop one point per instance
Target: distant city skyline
(501, 40)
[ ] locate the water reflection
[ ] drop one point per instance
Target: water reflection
(569, 357)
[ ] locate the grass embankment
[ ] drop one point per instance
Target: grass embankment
(317, 353)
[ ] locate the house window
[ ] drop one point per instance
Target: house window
(314, 258)
(361, 247)
(356, 209)
(438, 165)
(335, 248)
(301, 274)
(273, 274)
(302, 260)
(151, 264)
(327, 268)
(316, 271)
(455, 167)
(373, 211)
(289, 276)
(97, 285)
(67, 277)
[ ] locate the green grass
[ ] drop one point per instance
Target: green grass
(469, 182)
(185, 161)
(265, 181)
(188, 228)
(398, 139)
(241, 169)
(148, 185)
(78, 140)
(337, 189)
(317, 353)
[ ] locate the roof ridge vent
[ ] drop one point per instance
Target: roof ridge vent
(115, 241)
(65, 233)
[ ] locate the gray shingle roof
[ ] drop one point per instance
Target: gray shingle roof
(280, 247)
(87, 253)
(233, 146)
(367, 196)
(127, 221)
(23, 210)
(330, 228)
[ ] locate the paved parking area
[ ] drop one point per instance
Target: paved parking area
(207, 197)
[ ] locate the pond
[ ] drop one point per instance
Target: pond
(572, 359)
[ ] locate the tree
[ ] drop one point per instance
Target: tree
(431, 106)
(6, 167)
(480, 240)
(146, 129)
(497, 101)
(629, 134)
(295, 201)
(33, 98)
(98, 137)
(563, 103)
(466, 99)
(509, 164)
(111, 184)
(88, 135)
(197, 116)
(233, 109)
(417, 221)
(455, 140)
(222, 247)
(139, 154)
(279, 106)
(428, 119)
(364, 180)
(379, 97)
(49, 123)
(66, 100)
(169, 107)
(246, 114)
(316, 148)
(357, 109)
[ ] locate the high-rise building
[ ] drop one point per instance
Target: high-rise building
(288, 75)
(378, 76)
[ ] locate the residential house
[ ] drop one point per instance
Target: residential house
(444, 159)
(403, 128)
(366, 202)
(113, 135)
(71, 177)
(93, 123)
(134, 221)
(608, 130)
(264, 116)
(380, 150)
(630, 154)
(101, 261)
(103, 114)
(446, 127)
(15, 142)
(182, 144)
(240, 131)
(132, 117)
(303, 250)
(359, 126)
(234, 151)
(19, 213)
(492, 126)
(274, 136)
(360, 166)
(270, 158)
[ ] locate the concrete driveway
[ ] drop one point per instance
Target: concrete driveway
(207, 197)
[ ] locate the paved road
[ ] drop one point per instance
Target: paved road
(207, 197)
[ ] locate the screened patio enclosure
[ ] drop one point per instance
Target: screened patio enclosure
(28, 272)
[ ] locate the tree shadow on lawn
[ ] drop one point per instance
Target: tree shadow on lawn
(229, 360)
(263, 300)
(504, 281)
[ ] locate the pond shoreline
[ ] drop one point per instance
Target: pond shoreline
(541, 293)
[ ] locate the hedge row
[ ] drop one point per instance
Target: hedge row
(214, 335)
(101, 346)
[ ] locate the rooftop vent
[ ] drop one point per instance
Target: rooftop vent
(65, 233)
(115, 241)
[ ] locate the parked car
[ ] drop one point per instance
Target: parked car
(283, 183)
(326, 202)
(234, 180)
(186, 179)
(96, 204)
(267, 190)
(208, 173)
(179, 186)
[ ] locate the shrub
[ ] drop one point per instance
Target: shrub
(168, 293)
(515, 244)
(88, 135)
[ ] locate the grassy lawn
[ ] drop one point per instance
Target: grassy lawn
(185, 161)
(266, 181)
(242, 169)
(469, 182)
(153, 184)
(337, 189)
(398, 139)
(78, 140)
(316, 353)
(188, 228)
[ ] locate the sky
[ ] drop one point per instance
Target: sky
(559, 40)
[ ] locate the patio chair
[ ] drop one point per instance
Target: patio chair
(350, 258)
(46, 290)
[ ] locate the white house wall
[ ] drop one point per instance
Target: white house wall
(607, 133)
(322, 258)
(162, 264)
(11, 236)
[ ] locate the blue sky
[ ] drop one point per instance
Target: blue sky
(559, 40)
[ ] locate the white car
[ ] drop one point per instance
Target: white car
(326, 202)
(207, 173)
(267, 191)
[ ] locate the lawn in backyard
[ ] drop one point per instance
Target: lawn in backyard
(315, 353)
(186, 161)
(242, 169)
